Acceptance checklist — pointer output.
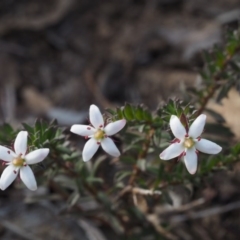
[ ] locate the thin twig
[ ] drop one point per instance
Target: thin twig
(126, 190)
(136, 190)
(141, 155)
(185, 207)
(146, 191)
(205, 213)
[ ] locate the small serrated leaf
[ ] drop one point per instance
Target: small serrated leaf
(128, 112)
(224, 91)
(147, 115)
(139, 113)
(28, 128)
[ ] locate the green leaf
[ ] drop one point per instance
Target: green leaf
(119, 176)
(128, 112)
(127, 159)
(97, 164)
(105, 200)
(139, 113)
(235, 150)
(224, 90)
(63, 149)
(28, 128)
(8, 128)
(94, 180)
(147, 115)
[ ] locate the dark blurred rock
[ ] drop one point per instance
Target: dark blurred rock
(151, 48)
(115, 83)
(38, 221)
(168, 5)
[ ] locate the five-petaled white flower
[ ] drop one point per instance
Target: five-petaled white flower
(98, 134)
(19, 160)
(188, 144)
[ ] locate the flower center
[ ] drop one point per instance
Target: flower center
(188, 143)
(18, 162)
(99, 134)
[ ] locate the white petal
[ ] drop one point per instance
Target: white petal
(82, 130)
(28, 178)
(8, 176)
(89, 149)
(6, 154)
(114, 127)
(36, 156)
(96, 118)
(174, 150)
(20, 144)
(207, 146)
(197, 126)
(177, 128)
(109, 146)
(191, 160)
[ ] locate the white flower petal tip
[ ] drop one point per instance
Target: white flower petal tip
(82, 130)
(122, 123)
(28, 178)
(218, 149)
(6, 154)
(20, 144)
(94, 106)
(115, 127)
(193, 170)
(203, 117)
(190, 160)
(96, 118)
(197, 126)
(37, 156)
(89, 149)
(8, 176)
(208, 147)
(177, 128)
(109, 146)
(174, 150)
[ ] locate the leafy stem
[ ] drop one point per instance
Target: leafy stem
(141, 155)
(216, 77)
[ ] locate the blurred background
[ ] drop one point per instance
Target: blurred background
(59, 56)
(66, 54)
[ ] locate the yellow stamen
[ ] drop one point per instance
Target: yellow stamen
(18, 162)
(99, 134)
(188, 143)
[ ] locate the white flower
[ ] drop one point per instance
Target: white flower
(18, 161)
(98, 134)
(188, 144)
